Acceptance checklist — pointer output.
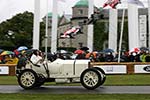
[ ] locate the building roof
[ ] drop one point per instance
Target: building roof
(82, 3)
(100, 8)
(68, 16)
(65, 19)
(50, 14)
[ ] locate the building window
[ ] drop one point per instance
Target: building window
(80, 11)
(80, 44)
(80, 24)
(63, 44)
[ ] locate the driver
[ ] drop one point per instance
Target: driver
(36, 58)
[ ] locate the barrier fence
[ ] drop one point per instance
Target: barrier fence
(123, 68)
(7, 69)
(108, 67)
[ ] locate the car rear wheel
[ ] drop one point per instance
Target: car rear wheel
(90, 78)
(27, 79)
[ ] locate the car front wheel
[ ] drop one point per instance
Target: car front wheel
(90, 78)
(103, 75)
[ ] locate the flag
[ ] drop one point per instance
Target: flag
(137, 2)
(111, 3)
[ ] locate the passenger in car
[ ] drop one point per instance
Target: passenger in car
(36, 58)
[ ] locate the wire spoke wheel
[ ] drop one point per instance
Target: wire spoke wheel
(90, 78)
(27, 79)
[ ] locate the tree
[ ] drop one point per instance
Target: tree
(100, 34)
(18, 31)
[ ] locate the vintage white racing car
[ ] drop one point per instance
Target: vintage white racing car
(63, 71)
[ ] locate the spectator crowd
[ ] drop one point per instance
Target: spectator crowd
(95, 56)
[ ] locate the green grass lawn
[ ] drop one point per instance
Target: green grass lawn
(111, 80)
(8, 80)
(74, 96)
(139, 79)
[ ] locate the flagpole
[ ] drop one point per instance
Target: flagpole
(90, 26)
(121, 35)
(46, 30)
(149, 23)
(54, 27)
(36, 25)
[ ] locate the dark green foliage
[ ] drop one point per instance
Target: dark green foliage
(100, 34)
(101, 30)
(21, 27)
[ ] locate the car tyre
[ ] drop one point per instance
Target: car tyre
(27, 79)
(90, 78)
(103, 75)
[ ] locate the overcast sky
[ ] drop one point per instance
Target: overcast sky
(9, 8)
